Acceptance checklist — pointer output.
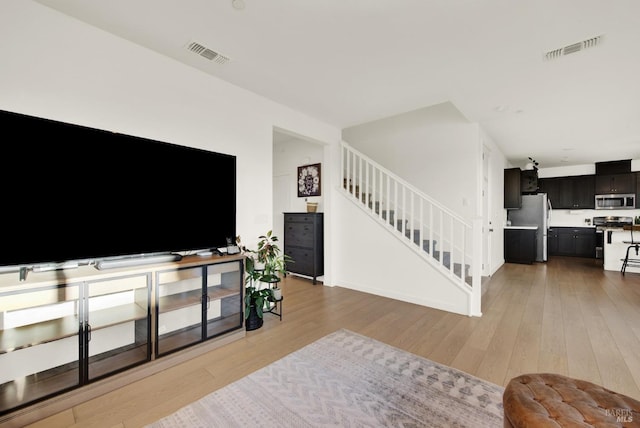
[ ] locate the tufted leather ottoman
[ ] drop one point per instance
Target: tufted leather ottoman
(552, 400)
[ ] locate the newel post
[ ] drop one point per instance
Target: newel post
(475, 304)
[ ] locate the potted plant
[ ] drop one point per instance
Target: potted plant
(265, 265)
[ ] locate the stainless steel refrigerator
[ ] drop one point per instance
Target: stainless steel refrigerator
(535, 211)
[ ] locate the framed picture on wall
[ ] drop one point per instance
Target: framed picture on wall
(309, 180)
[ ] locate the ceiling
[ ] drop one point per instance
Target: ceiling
(348, 62)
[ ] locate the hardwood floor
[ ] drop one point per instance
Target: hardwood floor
(566, 316)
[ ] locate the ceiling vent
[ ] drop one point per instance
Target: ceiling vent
(573, 48)
(207, 53)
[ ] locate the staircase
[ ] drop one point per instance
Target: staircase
(442, 238)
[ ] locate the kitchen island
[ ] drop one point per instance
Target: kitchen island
(615, 249)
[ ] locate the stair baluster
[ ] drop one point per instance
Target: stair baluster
(440, 236)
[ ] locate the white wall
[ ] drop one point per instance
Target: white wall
(577, 218)
(374, 261)
(288, 155)
(434, 148)
(56, 67)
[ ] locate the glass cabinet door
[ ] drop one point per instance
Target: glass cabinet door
(179, 296)
(224, 307)
(117, 325)
(39, 336)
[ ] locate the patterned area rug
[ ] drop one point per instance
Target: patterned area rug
(348, 380)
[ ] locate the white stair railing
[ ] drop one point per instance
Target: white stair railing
(438, 235)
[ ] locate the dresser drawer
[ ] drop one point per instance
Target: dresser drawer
(300, 218)
(299, 234)
(302, 260)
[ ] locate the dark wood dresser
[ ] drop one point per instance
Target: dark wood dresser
(303, 242)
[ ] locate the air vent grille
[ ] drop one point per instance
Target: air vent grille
(573, 48)
(207, 53)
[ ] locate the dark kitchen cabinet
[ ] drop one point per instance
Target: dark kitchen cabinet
(529, 181)
(613, 167)
(566, 243)
(586, 243)
(520, 245)
(637, 189)
(552, 242)
(512, 188)
(615, 183)
(557, 191)
(583, 188)
(577, 192)
(572, 241)
(303, 242)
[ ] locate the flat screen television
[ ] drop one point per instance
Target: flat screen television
(74, 193)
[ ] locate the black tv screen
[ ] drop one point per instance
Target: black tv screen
(74, 193)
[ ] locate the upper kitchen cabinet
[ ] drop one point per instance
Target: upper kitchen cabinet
(613, 167)
(615, 183)
(584, 191)
(529, 181)
(555, 190)
(512, 191)
(615, 177)
(577, 192)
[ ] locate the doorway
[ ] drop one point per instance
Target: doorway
(291, 151)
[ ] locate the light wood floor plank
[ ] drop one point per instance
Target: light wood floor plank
(552, 355)
(615, 373)
(582, 361)
(495, 364)
(625, 292)
(526, 350)
(619, 327)
(452, 344)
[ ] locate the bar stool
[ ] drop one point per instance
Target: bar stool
(633, 261)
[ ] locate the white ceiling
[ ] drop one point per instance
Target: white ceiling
(348, 62)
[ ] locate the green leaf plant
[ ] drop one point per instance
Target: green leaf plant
(265, 265)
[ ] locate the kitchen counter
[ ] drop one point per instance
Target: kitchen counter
(522, 227)
(615, 250)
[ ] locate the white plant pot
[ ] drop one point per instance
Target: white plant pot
(277, 293)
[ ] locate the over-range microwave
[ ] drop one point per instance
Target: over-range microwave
(616, 202)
